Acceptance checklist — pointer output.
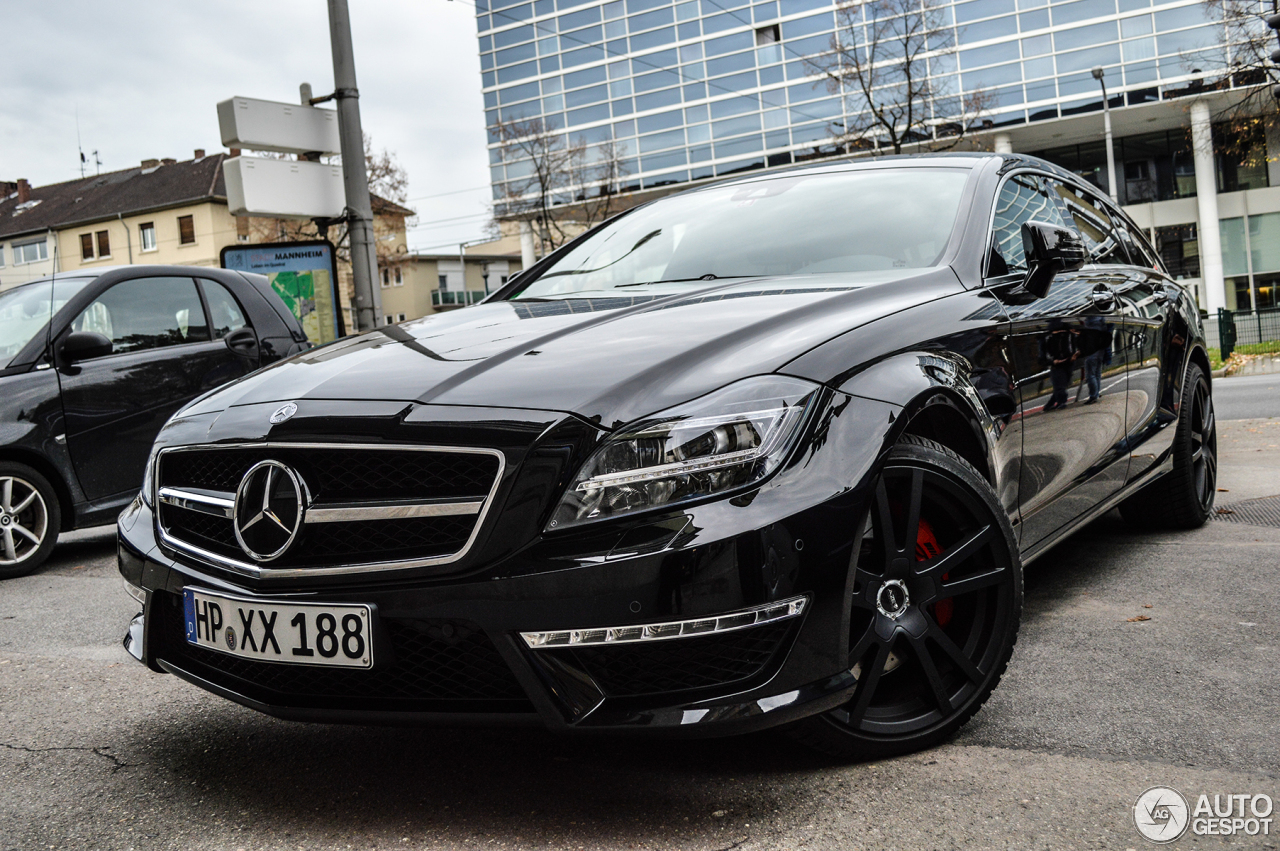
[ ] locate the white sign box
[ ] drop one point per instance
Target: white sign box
(283, 189)
(265, 125)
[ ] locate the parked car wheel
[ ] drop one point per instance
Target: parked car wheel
(934, 612)
(1183, 499)
(30, 519)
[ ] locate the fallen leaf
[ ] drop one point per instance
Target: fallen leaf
(1140, 618)
(1224, 490)
(720, 814)
(1146, 605)
(1225, 511)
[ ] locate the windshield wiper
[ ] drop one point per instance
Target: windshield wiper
(706, 277)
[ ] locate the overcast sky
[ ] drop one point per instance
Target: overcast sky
(146, 75)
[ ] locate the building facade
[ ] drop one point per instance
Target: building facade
(422, 284)
(707, 88)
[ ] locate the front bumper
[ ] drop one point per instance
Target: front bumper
(456, 651)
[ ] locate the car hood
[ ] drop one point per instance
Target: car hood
(609, 359)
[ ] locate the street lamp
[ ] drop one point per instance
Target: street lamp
(1106, 119)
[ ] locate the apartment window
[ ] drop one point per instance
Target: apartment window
(1, 255)
(30, 252)
(186, 230)
(386, 279)
(388, 319)
(86, 246)
(444, 281)
(104, 243)
(147, 236)
(399, 282)
(400, 317)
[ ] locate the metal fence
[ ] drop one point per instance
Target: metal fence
(1246, 328)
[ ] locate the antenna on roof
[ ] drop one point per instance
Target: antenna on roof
(78, 143)
(97, 163)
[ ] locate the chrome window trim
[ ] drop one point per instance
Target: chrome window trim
(261, 572)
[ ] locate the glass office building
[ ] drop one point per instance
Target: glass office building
(709, 87)
(703, 88)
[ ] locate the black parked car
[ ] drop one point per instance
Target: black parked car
(769, 452)
(82, 398)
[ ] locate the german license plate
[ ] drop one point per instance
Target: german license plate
(294, 633)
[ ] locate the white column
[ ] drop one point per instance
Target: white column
(526, 245)
(1273, 150)
(1215, 290)
(1004, 145)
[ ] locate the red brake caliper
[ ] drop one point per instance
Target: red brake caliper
(927, 548)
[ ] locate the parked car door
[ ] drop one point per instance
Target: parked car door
(1072, 403)
(213, 364)
(115, 405)
(1157, 341)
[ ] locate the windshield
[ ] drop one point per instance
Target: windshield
(809, 224)
(25, 310)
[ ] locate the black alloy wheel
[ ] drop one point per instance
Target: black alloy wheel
(1183, 499)
(30, 518)
(934, 610)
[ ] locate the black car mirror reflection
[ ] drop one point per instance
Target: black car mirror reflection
(83, 345)
(1049, 249)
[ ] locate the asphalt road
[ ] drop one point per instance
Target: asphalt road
(98, 753)
(1247, 397)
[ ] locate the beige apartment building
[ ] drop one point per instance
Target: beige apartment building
(422, 284)
(160, 212)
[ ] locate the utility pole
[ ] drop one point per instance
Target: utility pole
(364, 256)
(1097, 73)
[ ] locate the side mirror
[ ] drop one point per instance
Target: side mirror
(83, 345)
(243, 342)
(1049, 249)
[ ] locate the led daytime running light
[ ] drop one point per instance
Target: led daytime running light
(742, 619)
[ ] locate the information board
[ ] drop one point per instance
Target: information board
(304, 275)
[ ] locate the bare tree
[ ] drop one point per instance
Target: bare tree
(564, 185)
(879, 61)
(1250, 77)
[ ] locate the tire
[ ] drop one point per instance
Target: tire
(1183, 498)
(924, 662)
(30, 518)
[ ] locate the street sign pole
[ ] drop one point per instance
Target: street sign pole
(364, 258)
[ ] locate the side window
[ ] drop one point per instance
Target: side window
(1139, 250)
(1022, 198)
(147, 313)
(225, 314)
(1094, 224)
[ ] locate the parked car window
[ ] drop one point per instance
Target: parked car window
(1023, 198)
(147, 313)
(1094, 224)
(796, 225)
(24, 311)
(1139, 250)
(224, 311)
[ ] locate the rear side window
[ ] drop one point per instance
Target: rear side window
(1023, 198)
(1091, 219)
(225, 314)
(147, 313)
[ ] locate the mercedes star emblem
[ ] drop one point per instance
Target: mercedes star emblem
(268, 510)
(284, 412)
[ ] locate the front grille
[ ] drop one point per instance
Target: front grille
(421, 665)
(346, 474)
(336, 476)
(643, 668)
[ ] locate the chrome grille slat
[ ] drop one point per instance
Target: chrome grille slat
(437, 525)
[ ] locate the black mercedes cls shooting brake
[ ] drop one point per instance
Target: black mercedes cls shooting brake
(766, 453)
(92, 364)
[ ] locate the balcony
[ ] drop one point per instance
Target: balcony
(449, 299)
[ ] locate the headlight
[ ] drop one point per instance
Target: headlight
(725, 441)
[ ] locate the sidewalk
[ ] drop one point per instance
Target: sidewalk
(1248, 459)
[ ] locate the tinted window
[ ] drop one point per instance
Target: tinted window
(1022, 199)
(1090, 218)
(25, 310)
(224, 311)
(147, 313)
(810, 224)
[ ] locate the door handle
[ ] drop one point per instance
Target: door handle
(1103, 298)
